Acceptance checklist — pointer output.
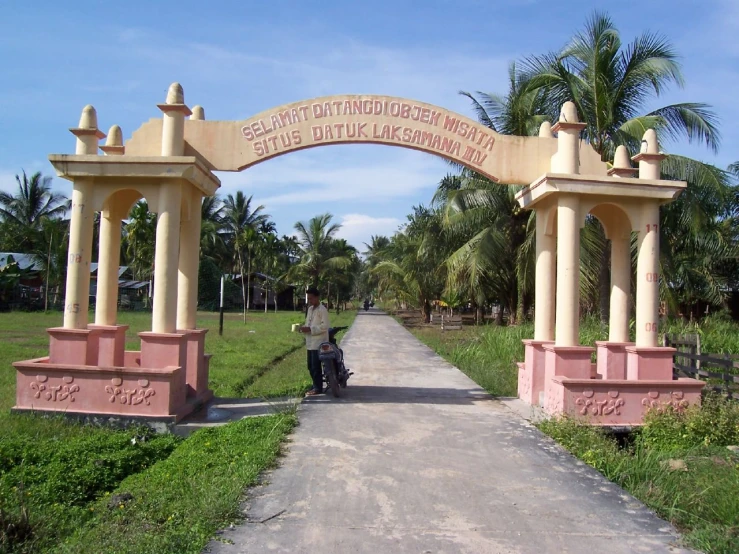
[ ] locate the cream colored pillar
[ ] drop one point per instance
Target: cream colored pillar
(568, 270)
(187, 282)
(546, 246)
(77, 297)
(108, 262)
(166, 258)
(647, 277)
(620, 260)
(620, 288)
(106, 303)
(647, 265)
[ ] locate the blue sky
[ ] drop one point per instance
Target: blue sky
(239, 58)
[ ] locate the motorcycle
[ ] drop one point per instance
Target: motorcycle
(335, 372)
(366, 305)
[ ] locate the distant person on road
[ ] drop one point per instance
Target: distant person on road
(315, 331)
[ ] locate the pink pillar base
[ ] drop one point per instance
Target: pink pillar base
(611, 358)
(167, 350)
(73, 346)
(649, 364)
(564, 361)
(531, 374)
(196, 364)
(90, 390)
(622, 402)
(111, 344)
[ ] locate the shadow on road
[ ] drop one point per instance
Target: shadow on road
(365, 394)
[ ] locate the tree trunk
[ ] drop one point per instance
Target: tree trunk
(248, 282)
(499, 316)
(266, 296)
(604, 284)
(479, 315)
(426, 311)
(243, 290)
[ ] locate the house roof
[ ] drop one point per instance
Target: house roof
(94, 269)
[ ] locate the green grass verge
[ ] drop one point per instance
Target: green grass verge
(178, 504)
(56, 476)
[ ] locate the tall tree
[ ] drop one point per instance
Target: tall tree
(316, 237)
(242, 223)
(611, 83)
(22, 215)
(139, 238)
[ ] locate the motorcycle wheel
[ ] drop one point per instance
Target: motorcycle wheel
(333, 379)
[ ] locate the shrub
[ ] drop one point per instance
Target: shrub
(714, 423)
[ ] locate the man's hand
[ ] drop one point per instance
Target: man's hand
(305, 329)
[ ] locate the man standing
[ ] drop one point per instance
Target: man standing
(316, 332)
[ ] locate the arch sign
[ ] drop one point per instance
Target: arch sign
(366, 119)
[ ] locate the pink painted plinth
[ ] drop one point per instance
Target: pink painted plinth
(196, 365)
(564, 361)
(114, 391)
(621, 402)
(166, 350)
(531, 373)
(649, 363)
(73, 346)
(111, 344)
(611, 358)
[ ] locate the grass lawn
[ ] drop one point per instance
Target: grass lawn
(66, 487)
(677, 464)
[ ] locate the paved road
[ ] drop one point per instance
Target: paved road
(417, 458)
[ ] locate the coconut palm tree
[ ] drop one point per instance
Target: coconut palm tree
(139, 238)
(22, 214)
(317, 256)
(241, 225)
(611, 83)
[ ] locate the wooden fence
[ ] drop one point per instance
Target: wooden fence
(719, 371)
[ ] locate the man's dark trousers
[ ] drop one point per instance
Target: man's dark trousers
(314, 367)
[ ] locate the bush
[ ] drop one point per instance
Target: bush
(714, 423)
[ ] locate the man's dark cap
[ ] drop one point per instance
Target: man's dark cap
(313, 291)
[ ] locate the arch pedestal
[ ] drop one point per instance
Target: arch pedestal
(628, 378)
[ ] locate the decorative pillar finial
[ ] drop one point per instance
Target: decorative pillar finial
(173, 127)
(567, 158)
(621, 164)
(198, 113)
(114, 143)
(649, 156)
(87, 132)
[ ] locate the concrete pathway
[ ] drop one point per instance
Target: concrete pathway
(415, 457)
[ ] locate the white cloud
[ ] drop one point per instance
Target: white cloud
(358, 229)
(343, 173)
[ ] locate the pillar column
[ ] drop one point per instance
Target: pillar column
(546, 245)
(647, 277)
(568, 271)
(79, 255)
(166, 258)
(187, 282)
(106, 305)
(620, 289)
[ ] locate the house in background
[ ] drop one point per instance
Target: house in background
(132, 294)
(267, 287)
(21, 282)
